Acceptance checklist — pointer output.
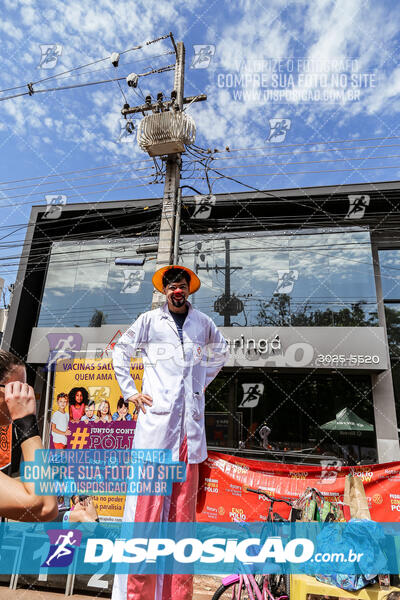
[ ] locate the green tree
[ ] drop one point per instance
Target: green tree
(393, 330)
(278, 312)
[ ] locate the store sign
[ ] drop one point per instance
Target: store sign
(361, 348)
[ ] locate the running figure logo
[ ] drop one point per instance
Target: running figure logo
(54, 206)
(278, 130)
(63, 345)
(329, 471)
(127, 129)
(62, 547)
(203, 206)
(286, 281)
(133, 280)
(357, 206)
(50, 54)
(203, 54)
(99, 393)
(252, 392)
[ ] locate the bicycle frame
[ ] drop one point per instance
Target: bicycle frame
(248, 579)
(251, 586)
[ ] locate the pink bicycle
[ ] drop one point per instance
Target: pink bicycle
(257, 587)
(247, 587)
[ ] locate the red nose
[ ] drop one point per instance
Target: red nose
(178, 292)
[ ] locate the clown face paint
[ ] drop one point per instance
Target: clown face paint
(177, 294)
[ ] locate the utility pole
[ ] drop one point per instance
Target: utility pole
(227, 305)
(171, 185)
(170, 215)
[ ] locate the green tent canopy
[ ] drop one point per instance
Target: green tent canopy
(347, 420)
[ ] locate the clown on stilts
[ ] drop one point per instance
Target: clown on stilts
(170, 411)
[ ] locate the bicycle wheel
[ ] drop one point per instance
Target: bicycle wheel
(228, 592)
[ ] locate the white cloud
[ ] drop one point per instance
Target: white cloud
(250, 30)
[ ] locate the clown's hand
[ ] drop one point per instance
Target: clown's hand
(140, 401)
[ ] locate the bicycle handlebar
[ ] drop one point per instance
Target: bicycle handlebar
(271, 498)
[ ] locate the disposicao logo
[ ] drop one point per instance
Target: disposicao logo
(62, 547)
(191, 550)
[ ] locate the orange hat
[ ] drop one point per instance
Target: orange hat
(158, 276)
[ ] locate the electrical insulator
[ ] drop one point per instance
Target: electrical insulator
(115, 59)
(132, 80)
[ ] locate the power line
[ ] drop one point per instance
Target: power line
(300, 152)
(306, 162)
(94, 62)
(215, 158)
(150, 160)
(269, 194)
(68, 74)
(38, 245)
(315, 248)
(283, 222)
(355, 169)
(104, 192)
(81, 186)
(76, 171)
(35, 256)
(69, 180)
(323, 143)
(86, 219)
(43, 244)
(148, 59)
(31, 91)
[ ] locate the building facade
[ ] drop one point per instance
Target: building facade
(304, 283)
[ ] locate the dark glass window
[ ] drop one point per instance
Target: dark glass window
(389, 261)
(296, 412)
(309, 278)
(84, 287)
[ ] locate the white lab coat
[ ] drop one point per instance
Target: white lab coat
(175, 376)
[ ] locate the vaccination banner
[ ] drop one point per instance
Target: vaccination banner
(89, 413)
(224, 480)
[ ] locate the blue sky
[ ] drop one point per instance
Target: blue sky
(251, 49)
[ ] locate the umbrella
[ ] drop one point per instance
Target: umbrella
(347, 420)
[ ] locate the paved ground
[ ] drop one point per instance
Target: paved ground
(204, 588)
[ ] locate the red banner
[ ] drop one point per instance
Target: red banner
(223, 480)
